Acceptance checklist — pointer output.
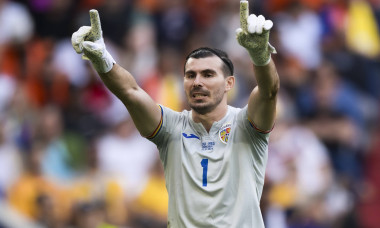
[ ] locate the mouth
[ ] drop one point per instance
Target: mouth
(198, 95)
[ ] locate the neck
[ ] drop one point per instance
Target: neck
(209, 118)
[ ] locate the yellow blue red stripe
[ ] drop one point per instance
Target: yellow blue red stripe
(158, 127)
(257, 129)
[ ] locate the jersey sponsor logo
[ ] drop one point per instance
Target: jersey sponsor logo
(191, 136)
(224, 133)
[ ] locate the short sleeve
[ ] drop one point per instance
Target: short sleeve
(169, 122)
(258, 138)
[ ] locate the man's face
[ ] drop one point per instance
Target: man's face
(204, 83)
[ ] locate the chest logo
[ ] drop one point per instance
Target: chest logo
(191, 136)
(224, 133)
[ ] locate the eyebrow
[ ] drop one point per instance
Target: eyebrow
(202, 72)
(208, 71)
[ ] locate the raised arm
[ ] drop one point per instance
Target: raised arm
(254, 36)
(143, 110)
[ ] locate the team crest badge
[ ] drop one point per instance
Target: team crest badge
(224, 133)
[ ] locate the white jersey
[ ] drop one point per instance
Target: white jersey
(215, 178)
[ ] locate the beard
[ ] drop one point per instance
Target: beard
(203, 107)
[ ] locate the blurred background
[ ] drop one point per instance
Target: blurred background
(71, 157)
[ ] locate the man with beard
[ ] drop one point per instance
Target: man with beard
(214, 155)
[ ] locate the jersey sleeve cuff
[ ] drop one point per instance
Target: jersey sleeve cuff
(158, 128)
(258, 129)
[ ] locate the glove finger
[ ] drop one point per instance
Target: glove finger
(272, 49)
(89, 46)
(252, 22)
(84, 57)
(268, 24)
(78, 37)
(92, 49)
(83, 31)
(77, 47)
(260, 24)
(240, 36)
(96, 28)
(244, 12)
(238, 31)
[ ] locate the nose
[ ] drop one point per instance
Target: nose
(197, 81)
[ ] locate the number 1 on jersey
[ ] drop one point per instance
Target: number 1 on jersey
(204, 164)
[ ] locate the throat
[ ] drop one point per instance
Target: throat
(208, 119)
(207, 126)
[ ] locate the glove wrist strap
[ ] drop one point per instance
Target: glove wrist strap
(260, 60)
(104, 64)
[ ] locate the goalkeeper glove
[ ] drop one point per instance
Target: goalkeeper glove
(254, 36)
(89, 42)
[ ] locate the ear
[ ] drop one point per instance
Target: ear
(229, 83)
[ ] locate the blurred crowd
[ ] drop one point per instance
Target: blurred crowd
(70, 156)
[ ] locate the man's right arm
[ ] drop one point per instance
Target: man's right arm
(146, 114)
(143, 110)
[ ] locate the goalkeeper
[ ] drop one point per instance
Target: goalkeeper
(214, 155)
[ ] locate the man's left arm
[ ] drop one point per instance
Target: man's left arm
(254, 36)
(262, 101)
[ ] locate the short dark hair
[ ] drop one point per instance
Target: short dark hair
(203, 52)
